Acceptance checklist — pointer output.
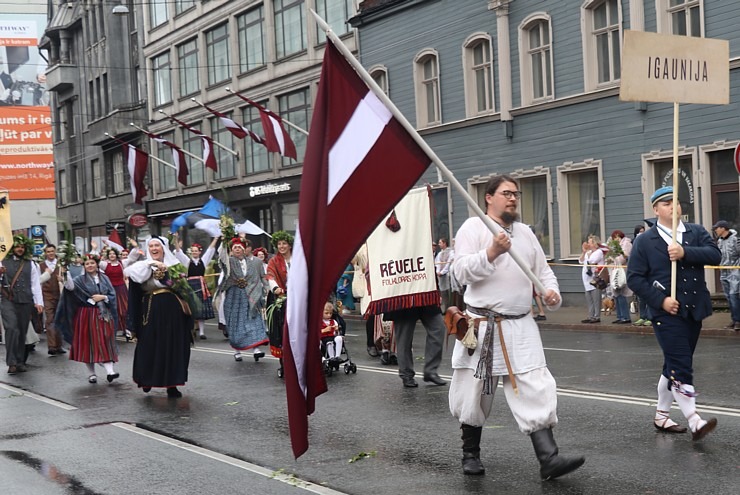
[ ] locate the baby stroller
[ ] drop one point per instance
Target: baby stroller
(332, 365)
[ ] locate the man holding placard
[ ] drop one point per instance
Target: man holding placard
(677, 321)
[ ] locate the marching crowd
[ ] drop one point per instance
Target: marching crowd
(155, 294)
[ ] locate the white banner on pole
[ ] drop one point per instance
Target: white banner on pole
(675, 69)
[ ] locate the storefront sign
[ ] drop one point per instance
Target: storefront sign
(675, 69)
(268, 189)
(137, 220)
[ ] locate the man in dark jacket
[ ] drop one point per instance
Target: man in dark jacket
(676, 321)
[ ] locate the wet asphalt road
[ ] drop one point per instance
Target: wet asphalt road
(229, 433)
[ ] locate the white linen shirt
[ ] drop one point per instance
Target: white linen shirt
(501, 286)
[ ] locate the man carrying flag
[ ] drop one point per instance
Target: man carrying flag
(355, 147)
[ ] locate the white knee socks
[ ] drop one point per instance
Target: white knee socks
(109, 367)
(665, 399)
(688, 405)
(202, 327)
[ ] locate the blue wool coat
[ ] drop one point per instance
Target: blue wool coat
(649, 263)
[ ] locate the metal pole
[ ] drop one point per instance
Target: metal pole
(291, 124)
(184, 151)
(214, 141)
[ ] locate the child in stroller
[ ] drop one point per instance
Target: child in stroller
(333, 328)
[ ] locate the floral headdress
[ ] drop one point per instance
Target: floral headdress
(22, 240)
(281, 235)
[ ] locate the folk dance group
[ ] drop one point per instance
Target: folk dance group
(95, 304)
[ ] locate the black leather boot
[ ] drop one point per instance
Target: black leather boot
(552, 465)
(471, 450)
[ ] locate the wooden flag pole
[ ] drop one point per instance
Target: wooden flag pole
(674, 224)
(423, 145)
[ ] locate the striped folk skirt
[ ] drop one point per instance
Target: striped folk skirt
(94, 339)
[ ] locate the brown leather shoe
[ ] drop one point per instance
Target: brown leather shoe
(704, 430)
(12, 370)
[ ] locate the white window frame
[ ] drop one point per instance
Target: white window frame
(336, 13)
(159, 13)
(98, 178)
(63, 188)
(421, 86)
(166, 175)
(379, 73)
(286, 42)
(161, 79)
(525, 60)
(566, 250)
(537, 172)
(219, 70)
(188, 70)
(247, 24)
(705, 177)
(590, 53)
(470, 74)
(648, 176)
(664, 15)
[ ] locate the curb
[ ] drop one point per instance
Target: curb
(606, 328)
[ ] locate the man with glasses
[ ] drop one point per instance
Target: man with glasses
(507, 344)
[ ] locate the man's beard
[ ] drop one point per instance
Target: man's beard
(509, 218)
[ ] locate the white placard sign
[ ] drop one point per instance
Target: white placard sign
(675, 69)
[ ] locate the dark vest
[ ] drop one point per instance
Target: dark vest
(196, 269)
(22, 289)
(50, 288)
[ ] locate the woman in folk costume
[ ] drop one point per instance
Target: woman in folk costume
(277, 277)
(244, 287)
(112, 266)
(161, 320)
(88, 319)
(196, 265)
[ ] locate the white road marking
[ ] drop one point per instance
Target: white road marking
(247, 466)
(564, 350)
(39, 398)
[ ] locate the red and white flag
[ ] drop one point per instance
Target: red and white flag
(209, 157)
(359, 158)
(237, 130)
(114, 240)
(276, 137)
(178, 158)
(136, 161)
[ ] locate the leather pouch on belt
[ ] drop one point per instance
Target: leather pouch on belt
(456, 322)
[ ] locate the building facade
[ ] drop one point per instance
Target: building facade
(530, 88)
(200, 52)
(94, 77)
(26, 157)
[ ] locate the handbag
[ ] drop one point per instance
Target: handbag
(618, 278)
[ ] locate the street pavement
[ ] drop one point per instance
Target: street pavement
(229, 433)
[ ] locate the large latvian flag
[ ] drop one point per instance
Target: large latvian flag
(136, 162)
(359, 162)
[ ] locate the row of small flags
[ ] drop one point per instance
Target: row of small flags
(276, 139)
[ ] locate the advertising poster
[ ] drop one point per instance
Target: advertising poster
(26, 154)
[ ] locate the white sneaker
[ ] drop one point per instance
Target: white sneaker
(237, 356)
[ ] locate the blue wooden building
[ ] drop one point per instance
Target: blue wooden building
(530, 88)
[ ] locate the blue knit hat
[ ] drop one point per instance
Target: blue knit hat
(663, 194)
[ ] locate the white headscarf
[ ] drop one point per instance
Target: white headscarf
(169, 258)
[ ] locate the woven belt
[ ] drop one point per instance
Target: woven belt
(484, 371)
